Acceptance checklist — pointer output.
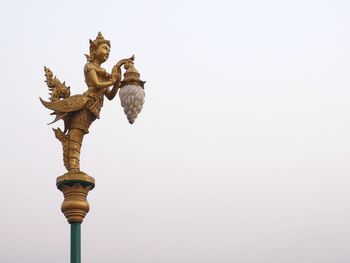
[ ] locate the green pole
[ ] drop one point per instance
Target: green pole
(75, 242)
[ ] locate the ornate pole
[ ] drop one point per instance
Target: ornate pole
(75, 188)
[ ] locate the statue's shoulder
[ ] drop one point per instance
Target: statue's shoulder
(89, 66)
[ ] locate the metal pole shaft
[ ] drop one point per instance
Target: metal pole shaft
(75, 242)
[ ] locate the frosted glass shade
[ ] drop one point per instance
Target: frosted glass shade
(132, 98)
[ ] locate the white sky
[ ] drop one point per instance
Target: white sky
(239, 155)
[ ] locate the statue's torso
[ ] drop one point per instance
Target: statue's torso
(95, 94)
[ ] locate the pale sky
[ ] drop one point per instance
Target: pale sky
(239, 155)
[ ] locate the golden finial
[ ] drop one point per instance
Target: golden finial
(99, 36)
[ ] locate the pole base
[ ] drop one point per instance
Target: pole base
(75, 187)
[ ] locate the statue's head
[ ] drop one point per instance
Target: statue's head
(100, 44)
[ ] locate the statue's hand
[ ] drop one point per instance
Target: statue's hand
(117, 72)
(115, 77)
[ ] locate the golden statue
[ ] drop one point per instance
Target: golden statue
(79, 111)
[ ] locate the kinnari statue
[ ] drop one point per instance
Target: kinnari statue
(79, 111)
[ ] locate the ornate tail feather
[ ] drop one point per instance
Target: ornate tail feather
(57, 89)
(63, 138)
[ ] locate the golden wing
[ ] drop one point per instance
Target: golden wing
(70, 104)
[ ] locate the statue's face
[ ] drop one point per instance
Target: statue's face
(102, 52)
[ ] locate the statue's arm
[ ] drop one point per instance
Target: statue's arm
(116, 78)
(91, 77)
(110, 94)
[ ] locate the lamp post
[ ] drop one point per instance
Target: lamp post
(78, 112)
